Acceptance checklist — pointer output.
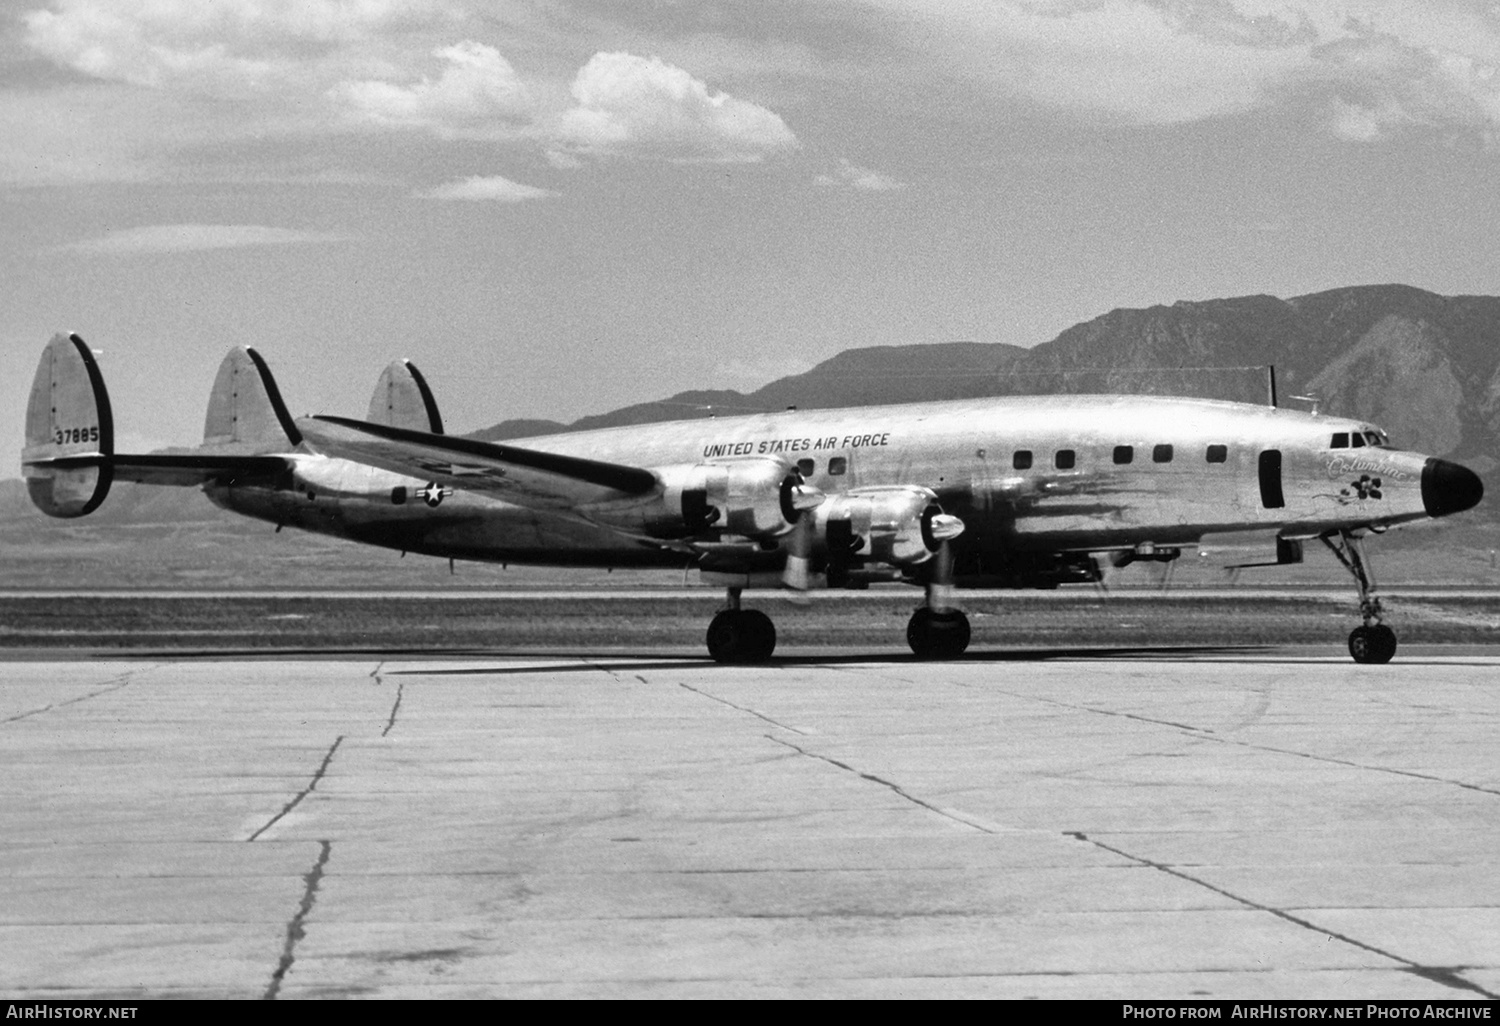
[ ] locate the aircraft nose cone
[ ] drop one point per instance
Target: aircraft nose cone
(1449, 488)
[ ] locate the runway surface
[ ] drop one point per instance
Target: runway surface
(1170, 827)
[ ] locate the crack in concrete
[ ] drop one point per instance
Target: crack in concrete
(1445, 975)
(395, 707)
(115, 685)
(295, 928)
(1208, 735)
(289, 806)
(400, 690)
(741, 708)
(945, 813)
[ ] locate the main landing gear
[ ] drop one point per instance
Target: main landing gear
(1372, 641)
(738, 635)
(937, 630)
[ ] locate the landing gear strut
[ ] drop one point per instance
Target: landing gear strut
(1372, 641)
(738, 635)
(937, 630)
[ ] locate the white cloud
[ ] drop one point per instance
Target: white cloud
(621, 105)
(184, 238)
(477, 93)
(221, 46)
(1382, 84)
(633, 106)
(254, 70)
(1378, 66)
(855, 177)
(493, 188)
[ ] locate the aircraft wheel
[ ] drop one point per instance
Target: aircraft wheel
(741, 636)
(762, 634)
(933, 635)
(1373, 644)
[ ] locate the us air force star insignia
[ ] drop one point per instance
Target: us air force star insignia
(433, 494)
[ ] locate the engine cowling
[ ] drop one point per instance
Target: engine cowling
(753, 498)
(903, 526)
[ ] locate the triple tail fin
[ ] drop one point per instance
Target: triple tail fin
(246, 415)
(69, 459)
(403, 400)
(70, 433)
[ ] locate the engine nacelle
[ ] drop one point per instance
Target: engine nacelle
(753, 498)
(902, 525)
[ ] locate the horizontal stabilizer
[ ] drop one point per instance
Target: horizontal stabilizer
(163, 469)
(523, 476)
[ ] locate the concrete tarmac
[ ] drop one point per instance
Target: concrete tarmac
(646, 826)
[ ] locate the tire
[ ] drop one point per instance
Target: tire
(1372, 645)
(741, 636)
(761, 635)
(934, 635)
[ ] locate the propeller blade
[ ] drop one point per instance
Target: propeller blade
(797, 575)
(940, 584)
(798, 500)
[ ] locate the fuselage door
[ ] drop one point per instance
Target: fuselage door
(1271, 496)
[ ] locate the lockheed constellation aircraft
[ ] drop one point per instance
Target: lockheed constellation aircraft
(1022, 492)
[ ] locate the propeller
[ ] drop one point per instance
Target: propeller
(938, 530)
(798, 500)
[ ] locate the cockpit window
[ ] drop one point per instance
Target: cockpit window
(1357, 440)
(1340, 440)
(1376, 438)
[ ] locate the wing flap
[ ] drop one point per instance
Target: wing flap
(527, 477)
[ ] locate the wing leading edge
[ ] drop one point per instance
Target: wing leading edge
(524, 476)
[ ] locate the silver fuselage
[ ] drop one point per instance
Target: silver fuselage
(1215, 477)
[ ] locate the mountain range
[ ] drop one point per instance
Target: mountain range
(1424, 367)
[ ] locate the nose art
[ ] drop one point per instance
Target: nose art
(1449, 488)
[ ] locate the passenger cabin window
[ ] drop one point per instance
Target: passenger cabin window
(1022, 459)
(1161, 454)
(1124, 453)
(398, 496)
(1064, 459)
(1340, 440)
(1217, 453)
(838, 465)
(805, 467)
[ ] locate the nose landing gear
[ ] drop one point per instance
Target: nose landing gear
(1372, 641)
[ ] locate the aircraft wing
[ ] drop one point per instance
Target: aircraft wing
(165, 469)
(541, 480)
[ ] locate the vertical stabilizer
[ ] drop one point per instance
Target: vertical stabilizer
(402, 399)
(70, 431)
(246, 415)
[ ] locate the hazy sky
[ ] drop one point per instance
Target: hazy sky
(557, 207)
